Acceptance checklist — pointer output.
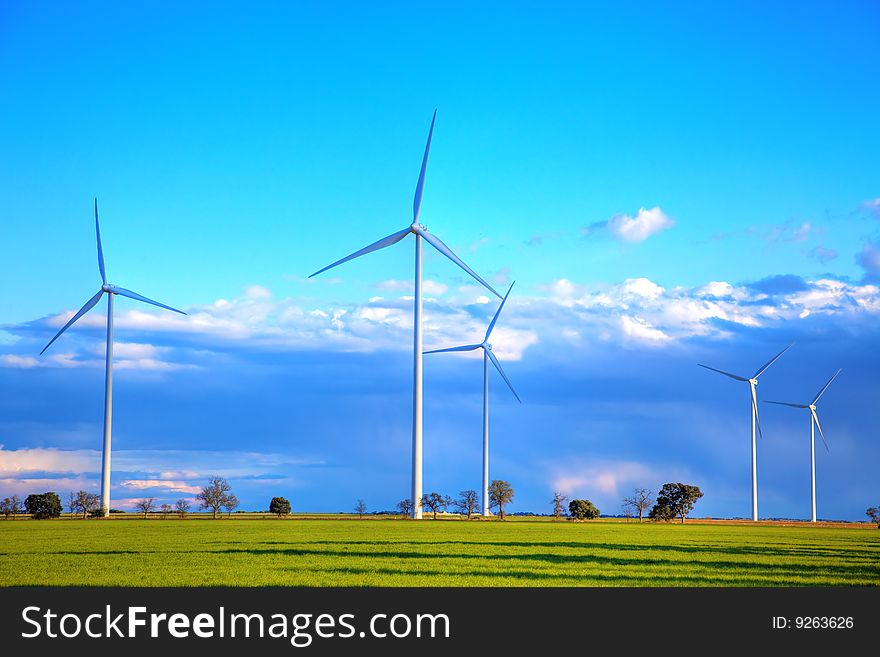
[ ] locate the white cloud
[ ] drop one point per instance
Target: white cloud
(14, 360)
(642, 287)
(434, 288)
(636, 310)
(173, 486)
(257, 292)
(604, 477)
(641, 227)
(641, 330)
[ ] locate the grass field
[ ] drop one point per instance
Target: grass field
(351, 552)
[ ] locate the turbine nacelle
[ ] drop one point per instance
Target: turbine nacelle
(486, 346)
(754, 382)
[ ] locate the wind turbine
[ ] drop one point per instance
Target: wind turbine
(814, 424)
(756, 422)
(421, 233)
(110, 291)
(487, 356)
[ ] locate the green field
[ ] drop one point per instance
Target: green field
(351, 552)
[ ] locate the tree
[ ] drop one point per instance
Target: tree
(41, 507)
(71, 503)
(16, 508)
(467, 502)
(583, 510)
(213, 496)
(145, 505)
(435, 502)
(558, 503)
(230, 502)
(500, 493)
(280, 506)
(639, 502)
(874, 514)
(405, 507)
(360, 508)
(675, 500)
(85, 503)
(182, 506)
(165, 509)
(6, 508)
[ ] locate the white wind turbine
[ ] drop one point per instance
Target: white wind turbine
(814, 424)
(756, 423)
(487, 356)
(421, 233)
(110, 291)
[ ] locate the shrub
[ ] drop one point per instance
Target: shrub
(41, 507)
(280, 506)
(583, 510)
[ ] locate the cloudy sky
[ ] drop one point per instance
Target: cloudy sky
(666, 187)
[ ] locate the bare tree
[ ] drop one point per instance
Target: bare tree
(71, 503)
(405, 507)
(6, 508)
(145, 505)
(230, 502)
(360, 508)
(500, 493)
(86, 503)
(16, 505)
(640, 501)
(467, 502)
(165, 509)
(558, 502)
(214, 494)
(182, 506)
(436, 502)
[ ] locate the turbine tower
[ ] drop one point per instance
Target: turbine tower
(756, 422)
(110, 291)
(487, 356)
(814, 424)
(421, 233)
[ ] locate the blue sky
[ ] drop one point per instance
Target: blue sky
(667, 185)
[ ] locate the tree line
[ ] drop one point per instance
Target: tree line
(675, 500)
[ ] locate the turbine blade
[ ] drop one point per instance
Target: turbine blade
(467, 347)
(755, 409)
(503, 375)
(82, 311)
(732, 376)
(498, 312)
(139, 297)
(435, 241)
(787, 404)
(819, 427)
(771, 361)
(375, 246)
(822, 391)
(100, 250)
(420, 186)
